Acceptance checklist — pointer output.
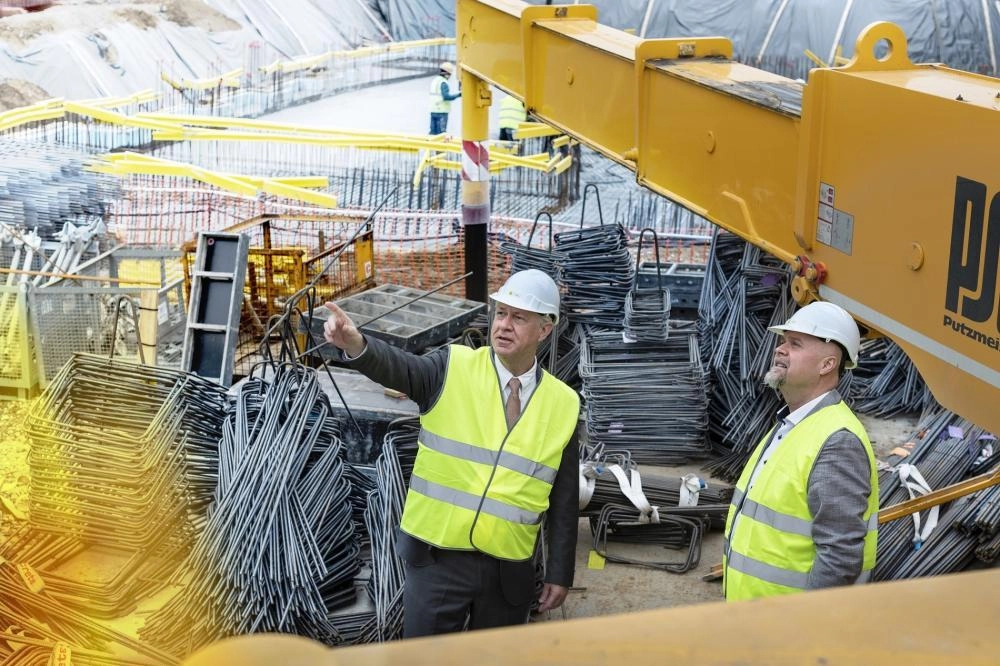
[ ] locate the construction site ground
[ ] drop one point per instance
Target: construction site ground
(611, 589)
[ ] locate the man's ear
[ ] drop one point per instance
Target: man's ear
(830, 364)
(547, 327)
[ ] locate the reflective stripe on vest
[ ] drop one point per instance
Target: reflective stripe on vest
(471, 502)
(438, 103)
(506, 459)
(475, 485)
(770, 550)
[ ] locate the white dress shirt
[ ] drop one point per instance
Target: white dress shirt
(528, 381)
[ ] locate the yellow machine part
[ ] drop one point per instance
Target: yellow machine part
(873, 180)
(885, 623)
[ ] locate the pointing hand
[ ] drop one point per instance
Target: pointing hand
(341, 332)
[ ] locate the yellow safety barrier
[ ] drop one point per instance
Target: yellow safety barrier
(228, 80)
(292, 188)
(299, 64)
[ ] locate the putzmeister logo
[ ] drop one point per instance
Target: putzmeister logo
(971, 293)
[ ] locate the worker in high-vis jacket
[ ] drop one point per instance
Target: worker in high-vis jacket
(804, 513)
(497, 453)
(441, 98)
(512, 114)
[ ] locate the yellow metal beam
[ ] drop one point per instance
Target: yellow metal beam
(940, 620)
(47, 110)
(294, 187)
(873, 180)
(363, 52)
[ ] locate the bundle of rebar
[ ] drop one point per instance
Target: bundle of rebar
(662, 491)
(966, 531)
(525, 257)
(648, 398)
(385, 586)
(943, 450)
(624, 507)
(744, 292)
(278, 550)
(563, 362)
(122, 460)
(42, 186)
(886, 382)
(596, 272)
(647, 309)
(37, 627)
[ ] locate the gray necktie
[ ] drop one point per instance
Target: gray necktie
(512, 409)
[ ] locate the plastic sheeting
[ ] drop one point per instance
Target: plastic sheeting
(102, 55)
(120, 58)
(774, 34)
(419, 19)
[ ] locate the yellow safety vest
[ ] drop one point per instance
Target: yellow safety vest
(512, 113)
(438, 103)
(771, 550)
(476, 486)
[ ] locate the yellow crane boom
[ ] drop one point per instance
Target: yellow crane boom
(872, 180)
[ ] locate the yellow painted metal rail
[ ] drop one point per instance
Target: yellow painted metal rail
(874, 180)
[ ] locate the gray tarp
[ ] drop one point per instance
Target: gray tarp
(86, 52)
(419, 19)
(964, 34)
(81, 59)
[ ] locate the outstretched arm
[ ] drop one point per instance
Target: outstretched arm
(446, 93)
(419, 377)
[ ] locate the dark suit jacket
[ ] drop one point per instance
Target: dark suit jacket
(422, 379)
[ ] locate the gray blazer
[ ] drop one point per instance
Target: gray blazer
(838, 490)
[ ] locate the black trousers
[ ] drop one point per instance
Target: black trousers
(447, 590)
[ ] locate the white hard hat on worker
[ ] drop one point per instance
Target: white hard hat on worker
(527, 306)
(829, 322)
(447, 67)
(530, 290)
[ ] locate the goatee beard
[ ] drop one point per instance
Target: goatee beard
(774, 378)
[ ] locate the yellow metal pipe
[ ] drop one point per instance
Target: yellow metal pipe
(940, 496)
(230, 79)
(302, 194)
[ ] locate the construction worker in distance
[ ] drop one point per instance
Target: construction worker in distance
(804, 513)
(497, 452)
(512, 114)
(441, 97)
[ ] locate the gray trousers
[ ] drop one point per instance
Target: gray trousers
(448, 590)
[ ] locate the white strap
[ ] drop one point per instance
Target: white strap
(691, 485)
(588, 480)
(915, 484)
(632, 489)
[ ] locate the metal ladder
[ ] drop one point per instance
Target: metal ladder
(214, 307)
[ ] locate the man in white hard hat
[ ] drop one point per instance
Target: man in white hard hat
(804, 513)
(441, 98)
(497, 452)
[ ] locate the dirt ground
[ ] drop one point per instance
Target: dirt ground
(91, 16)
(622, 588)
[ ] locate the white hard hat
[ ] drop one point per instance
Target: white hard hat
(530, 290)
(829, 322)
(447, 67)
